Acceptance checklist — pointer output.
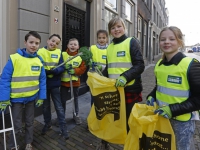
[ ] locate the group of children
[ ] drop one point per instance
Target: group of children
(31, 75)
(31, 78)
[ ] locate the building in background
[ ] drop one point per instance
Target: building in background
(80, 19)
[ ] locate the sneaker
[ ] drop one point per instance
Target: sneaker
(77, 119)
(29, 147)
(15, 148)
(64, 134)
(103, 146)
(45, 129)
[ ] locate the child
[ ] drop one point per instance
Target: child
(52, 57)
(76, 67)
(22, 82)
(125, 64)
(99, 52)
(177, 86)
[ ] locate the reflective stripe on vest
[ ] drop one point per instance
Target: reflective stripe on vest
(173, 86)
(98, 55)
(173, 92)
(50, 58)
(76, 62)
(25, 77)
(119, 59)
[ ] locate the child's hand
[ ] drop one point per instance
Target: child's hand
(71, 71)
(4, 104)
(48, 72)
(68, 66)
(164, 111)
(99, 67)
(150, 101)
(39, 103)
(121, 81)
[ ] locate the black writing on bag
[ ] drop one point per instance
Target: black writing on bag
(159, 141)
(107, 103)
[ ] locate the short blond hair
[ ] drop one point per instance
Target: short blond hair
(113, 21)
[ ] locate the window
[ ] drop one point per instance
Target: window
(128, 17)
(108, 16)
(111, 4)
(127, 11)
(154, 13)
(139, 29)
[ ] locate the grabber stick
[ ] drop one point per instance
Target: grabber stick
(72, 94)
(79, 54)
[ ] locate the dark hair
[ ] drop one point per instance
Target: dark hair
(33, 33)
(57, 35)
(102, 31)
(73, 39)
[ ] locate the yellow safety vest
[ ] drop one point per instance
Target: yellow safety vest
(50, 58)
(76, 62)
(25, 77)
(119, 59)
(98, 55)
(172, 84)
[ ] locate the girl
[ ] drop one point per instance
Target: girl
(99, 52)
(125, 64)
(177, 87)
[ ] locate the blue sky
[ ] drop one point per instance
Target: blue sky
(185, 14)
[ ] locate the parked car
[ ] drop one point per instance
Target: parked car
(190, 51)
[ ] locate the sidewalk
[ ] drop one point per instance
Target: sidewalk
(80, 138)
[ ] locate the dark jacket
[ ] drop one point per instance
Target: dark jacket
(137, 62)
(193, 74)
(55, 81)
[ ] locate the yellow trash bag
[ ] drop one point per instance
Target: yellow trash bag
(149, 131)
(107, 117)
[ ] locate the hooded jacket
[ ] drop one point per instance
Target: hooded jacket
(6, 77)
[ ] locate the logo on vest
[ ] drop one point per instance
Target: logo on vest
(54, 56)
(75, 63)
(35, 68)
(121, 54)
(174, 79)
(104, 56)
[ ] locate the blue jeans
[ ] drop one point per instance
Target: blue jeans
(55, 95)
(184, 132)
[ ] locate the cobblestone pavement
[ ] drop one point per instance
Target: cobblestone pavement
(80, 137)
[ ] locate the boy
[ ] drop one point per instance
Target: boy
(52, 57)
(76, 67)
(22, 82)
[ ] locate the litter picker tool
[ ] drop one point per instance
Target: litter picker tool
(79, 54)
(4, 130)
(83, 52)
